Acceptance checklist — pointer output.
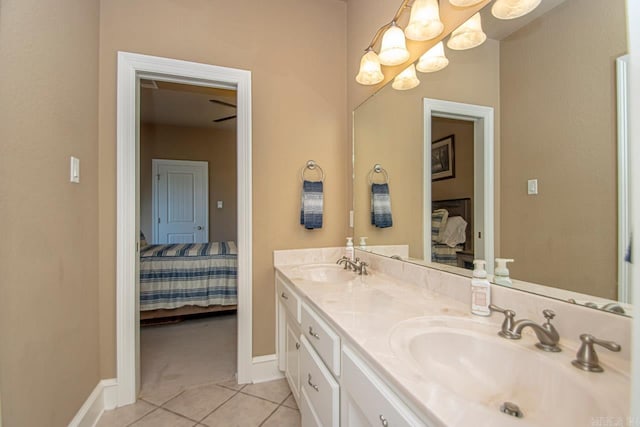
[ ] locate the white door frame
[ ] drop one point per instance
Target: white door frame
(624, 206)
(131, 68)
(155, 164)
(483, 171)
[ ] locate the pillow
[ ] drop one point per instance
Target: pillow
(454, 231)
(438, 222)
(143, 240)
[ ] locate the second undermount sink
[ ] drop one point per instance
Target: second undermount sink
(483, 371)
(325, 273)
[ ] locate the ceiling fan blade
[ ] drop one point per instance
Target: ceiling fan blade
(224, 119)
(215, 101)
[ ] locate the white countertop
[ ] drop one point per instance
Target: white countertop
(365, 312)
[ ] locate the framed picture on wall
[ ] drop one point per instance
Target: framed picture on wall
(443, 158)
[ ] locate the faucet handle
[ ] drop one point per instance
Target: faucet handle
(507, 324)
(587, 358)
(548, 314)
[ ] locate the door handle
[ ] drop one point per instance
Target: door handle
(199, 227)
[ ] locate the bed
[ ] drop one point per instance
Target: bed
(190, 278)
(456, 209)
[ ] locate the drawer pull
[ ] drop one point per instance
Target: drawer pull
(384, 421)
(297, 346)
(313, 334)
(314, 386)
(284, 296)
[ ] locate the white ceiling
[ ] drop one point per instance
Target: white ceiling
(186, 105)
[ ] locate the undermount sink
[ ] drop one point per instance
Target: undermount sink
(324, 273)
(483, 370)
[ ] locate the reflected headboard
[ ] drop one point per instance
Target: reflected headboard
(459, 207)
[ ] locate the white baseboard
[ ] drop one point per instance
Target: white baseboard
(103, 397)
(265, 368)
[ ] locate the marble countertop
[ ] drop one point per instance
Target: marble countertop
(366, 309)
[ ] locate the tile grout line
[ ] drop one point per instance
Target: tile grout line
(148, 413)
(275, 410)
(237, 392)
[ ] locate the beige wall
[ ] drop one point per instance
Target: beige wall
(567, 142)
(217, 148)
(49, 358)
(389, 130)
(296, 52)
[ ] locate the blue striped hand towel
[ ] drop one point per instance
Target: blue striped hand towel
(312, 204)
(381, 206)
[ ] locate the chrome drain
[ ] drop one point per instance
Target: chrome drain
(512, 409)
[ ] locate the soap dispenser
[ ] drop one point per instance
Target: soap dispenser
(348, 250)
(363, 243)
(480, 289)
(502, 272)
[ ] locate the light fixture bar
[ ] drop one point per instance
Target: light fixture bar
(397, 16)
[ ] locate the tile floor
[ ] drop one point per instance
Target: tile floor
(227, 404)
(186, 381)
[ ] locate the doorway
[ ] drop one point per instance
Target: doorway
(131, 69)
(481, 214)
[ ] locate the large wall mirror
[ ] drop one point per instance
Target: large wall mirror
(521, 142)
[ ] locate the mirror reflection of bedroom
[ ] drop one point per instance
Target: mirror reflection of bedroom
(452, 187)
(188, 221)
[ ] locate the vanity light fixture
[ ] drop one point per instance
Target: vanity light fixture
(407, 79)
(433, 60)
(370, 72)
(467, 35)
(394, 47)
(511, 9)
(424, 23)
(464, 3)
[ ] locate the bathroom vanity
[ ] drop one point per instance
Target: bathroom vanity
(398, 347)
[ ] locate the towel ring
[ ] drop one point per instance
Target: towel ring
(311, 165)
(377, 168)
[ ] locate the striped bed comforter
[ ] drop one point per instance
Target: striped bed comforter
(177, 275)
(445, 254)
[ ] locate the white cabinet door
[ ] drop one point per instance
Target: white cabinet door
(367, 400)
(292, 356)
(180, 201)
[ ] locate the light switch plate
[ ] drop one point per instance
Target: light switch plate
(74, 172)
(219, 204)
(532, 186)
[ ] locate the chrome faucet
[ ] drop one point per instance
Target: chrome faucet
(547, 334)
(344, 260)
(358, 266)
(586, 358)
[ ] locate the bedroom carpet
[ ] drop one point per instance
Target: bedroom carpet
(177, 356)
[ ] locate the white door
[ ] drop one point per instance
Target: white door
(180, 201)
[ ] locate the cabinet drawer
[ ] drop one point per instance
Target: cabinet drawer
(317, 383)
(321, 336)
(288, 298)
(375, 401)
(308, 415)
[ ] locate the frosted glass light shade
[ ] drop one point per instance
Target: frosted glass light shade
(464, 3)
(406, 79)
(424, 23)
(433, 60)
(370, 73)
(511, 9)
(467, 35)
(394, 47)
